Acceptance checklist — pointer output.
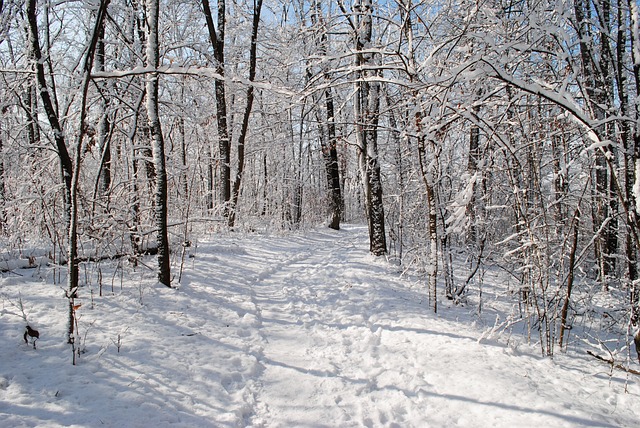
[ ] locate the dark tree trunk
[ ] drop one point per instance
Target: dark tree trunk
(265, 186)
(31, 107)
(247, 113)
(66, 165)
(626, 136)
(331, 164)
(3, 217)
(598, 84)
(400, 174)
(104, 126)
(71, 172)
(560, 182)
(328, 138)
(634, 204)
(224, 140)
(570, 276)
(48, 105)
(184, 180)
(472, 168)
(298, 190)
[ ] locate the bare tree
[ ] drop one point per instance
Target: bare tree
(244, 127)
(70, 169)
(428, 160)
(157, 144)
(224, 138)
(367, 115)
(3, 195)
(103, 183)
(328, 139)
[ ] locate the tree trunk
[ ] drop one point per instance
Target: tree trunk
(3, 196)
(598, 87)
(400, 174)
(224, 140)
(560, 182)
(257, 7)
(428, 177)
(104, 126)
(367, 107)
(377, 231)
(298, 189)
(331, 164)
(572, 261)
(31, 105)
(157, 146)
(472, 168)
(626, 136)
(71, 172)
(63, 154)
(134, 227)
(634, 203)
(328, 138)
(184, 178)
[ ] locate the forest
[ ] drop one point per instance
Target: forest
(468, 135)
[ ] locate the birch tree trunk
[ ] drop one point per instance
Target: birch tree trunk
(427, 167)
(157, 145)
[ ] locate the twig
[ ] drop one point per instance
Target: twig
(612, 363)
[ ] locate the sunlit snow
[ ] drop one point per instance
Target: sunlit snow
(304, 330)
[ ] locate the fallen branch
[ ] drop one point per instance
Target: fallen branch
(32, 262)
(612, 363)
(11, 265)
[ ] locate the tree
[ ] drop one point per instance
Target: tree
(3, 193)
(327, 124)
(224, 139)
(70, 169)
(244, 127)
(103, 183)
(598, 90)
(157, 144)
(428, 160)
(366, 112)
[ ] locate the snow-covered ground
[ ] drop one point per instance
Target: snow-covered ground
(305, 330)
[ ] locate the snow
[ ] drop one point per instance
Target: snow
(303, 330)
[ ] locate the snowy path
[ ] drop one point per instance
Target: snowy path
(296, 331)
(321, 343)
(347, 344)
